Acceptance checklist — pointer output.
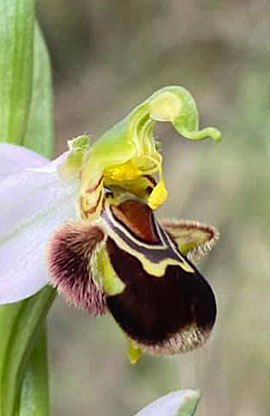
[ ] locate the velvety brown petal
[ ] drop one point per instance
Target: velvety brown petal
(166, 314)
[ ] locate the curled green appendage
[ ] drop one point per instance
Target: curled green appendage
(128, 150)
(176, 105)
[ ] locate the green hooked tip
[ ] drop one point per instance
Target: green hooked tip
(176, 105)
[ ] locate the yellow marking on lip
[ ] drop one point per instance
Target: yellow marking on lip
(155, 269)
(158, 269)
(111, 283)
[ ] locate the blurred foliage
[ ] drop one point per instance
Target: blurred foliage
(109, 55)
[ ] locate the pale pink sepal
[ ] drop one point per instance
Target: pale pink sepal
(16, 158)
(33, 203)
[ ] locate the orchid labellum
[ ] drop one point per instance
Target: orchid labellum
(85, 223)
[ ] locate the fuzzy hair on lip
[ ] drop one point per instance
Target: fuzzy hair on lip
(71, 255)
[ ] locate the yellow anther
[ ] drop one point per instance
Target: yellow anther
(124, 172)
(158, 195)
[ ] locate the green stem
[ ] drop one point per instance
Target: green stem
(35, 389)
(19, 327)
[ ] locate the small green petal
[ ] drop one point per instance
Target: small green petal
(192, 237)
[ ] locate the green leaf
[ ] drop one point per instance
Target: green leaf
(35, 391)
(16, 66)
(19, 324)
(39, 134)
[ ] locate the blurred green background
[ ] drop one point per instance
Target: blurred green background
(107, 56)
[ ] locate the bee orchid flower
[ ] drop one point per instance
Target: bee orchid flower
(85, 223)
